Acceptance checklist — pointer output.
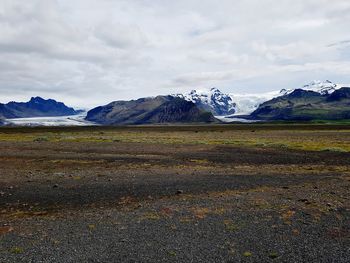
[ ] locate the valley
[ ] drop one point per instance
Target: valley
(174, 131)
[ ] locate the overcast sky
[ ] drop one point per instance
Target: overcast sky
(91, 52)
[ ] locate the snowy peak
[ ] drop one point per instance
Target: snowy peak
(323, 87)
(212, 100)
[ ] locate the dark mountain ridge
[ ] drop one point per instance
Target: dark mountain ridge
(306, 105)
(36, 107)
(161, 109)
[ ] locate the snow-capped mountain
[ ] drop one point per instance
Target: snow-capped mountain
(323, 87)
(212, 100)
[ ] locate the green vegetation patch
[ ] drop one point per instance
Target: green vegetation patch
(332, 138)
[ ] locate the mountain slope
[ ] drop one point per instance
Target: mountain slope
(36, 107)
(161, 109)
(212, 100)
(306, 105)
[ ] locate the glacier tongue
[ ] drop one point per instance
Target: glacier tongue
(247, 103)
(74, 120)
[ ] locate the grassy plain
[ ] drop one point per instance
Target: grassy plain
(293, 136)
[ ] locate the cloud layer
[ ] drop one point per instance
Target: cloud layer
(90, 52)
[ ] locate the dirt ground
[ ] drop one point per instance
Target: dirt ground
(225, 193)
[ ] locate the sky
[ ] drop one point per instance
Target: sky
(91, 52)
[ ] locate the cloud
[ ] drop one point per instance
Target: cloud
(121, 36)
(89, 52)
(340, 43)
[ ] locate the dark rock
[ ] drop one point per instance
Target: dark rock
(179, 192)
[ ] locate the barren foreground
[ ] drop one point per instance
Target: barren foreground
(226, 193)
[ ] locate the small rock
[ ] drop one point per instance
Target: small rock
(179, 192)
(304, 200)
(273, 255)
(55, 186)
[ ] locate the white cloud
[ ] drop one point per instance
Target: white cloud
(89, 52)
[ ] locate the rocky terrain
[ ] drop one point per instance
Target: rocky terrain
(214, 193)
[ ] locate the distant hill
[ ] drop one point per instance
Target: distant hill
(306, 105)
(36, 107)
(161, 109)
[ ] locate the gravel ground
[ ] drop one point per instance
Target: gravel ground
(137, 202)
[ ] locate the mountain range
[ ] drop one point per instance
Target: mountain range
(226, 104)
(316, 100)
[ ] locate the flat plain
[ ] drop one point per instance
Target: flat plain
(217, 193)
